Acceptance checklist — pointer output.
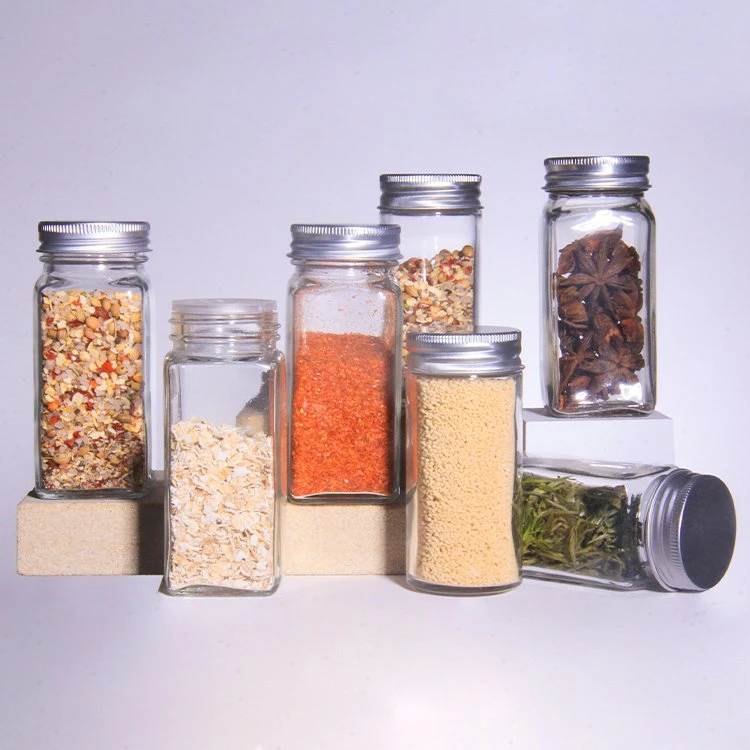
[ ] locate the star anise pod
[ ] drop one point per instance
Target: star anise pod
(576, 361)
(615, 366)
(570, 309)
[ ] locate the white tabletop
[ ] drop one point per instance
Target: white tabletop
(362, 662)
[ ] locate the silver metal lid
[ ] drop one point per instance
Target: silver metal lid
(584, 173)
(487, 351)
(345, 242)
(100, 237)
(430, 192)
(223, 318)
(689, 531)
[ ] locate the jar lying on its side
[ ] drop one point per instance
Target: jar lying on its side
(625, 526)
(463, 395)
(224, 401)
(91, 330)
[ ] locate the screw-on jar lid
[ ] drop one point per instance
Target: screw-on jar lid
(689, 531)
(430, 192)
(487, 351)
(584, 173)
(104, 237)
(345, 242)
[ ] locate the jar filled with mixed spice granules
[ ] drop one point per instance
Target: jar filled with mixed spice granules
(463, 395)
(225, 448)
(91, 329)
(598, 338)
(344, 324)
(625, 526)
(439, 215)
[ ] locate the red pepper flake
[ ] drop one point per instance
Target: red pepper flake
(54, 419)
(342, 415)
(107, 367)
(49, 354)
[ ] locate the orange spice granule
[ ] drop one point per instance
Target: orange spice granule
(342, 415)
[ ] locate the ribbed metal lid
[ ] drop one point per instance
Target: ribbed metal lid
(488, 350)
(343, 242)
(106, 237)
(689, 531)
(430, 192)
(579, 173)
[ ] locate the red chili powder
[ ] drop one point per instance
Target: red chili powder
(342, 415)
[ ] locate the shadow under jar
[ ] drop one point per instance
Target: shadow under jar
(91, 354)
(344, 324)
(598, 317)
(225, 428)
(463, 395)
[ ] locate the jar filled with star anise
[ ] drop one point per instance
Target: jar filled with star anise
(598, 338)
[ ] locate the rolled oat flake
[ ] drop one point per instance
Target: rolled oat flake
(91, 312)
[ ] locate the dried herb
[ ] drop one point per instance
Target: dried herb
(599, 296)
(568, 526)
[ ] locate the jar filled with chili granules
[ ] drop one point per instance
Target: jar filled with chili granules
(91, 329)
(225, 448)
(344, 332)
(439, 215)
(463, 395)
(598, 317)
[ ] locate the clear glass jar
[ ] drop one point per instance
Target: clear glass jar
(439, 215)
(625, 526)
(463, 395)
(344, 327)
(91, 360)
(599, 337)
(224, 448)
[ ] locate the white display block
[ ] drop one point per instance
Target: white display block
(648, 440)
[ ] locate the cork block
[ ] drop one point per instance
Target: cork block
(126, 537)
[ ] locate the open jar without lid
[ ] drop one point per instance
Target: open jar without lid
(225, 448)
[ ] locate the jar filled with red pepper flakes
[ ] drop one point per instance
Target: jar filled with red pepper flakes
(439, 216)
(91, 310)
(344, 350)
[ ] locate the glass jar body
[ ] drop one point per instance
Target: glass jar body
(91, 354)
(439, 272)
(582, 522)
(344, 332)
(463, 482)
(224, 469)
(598, 316)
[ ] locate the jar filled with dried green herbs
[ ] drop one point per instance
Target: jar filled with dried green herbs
(598, 342)
(625, 526)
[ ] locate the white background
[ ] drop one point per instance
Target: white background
(222, 123)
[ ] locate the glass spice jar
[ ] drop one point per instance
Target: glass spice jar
(344, 324)
(439, 215)
(463, 395)
(598, 338)
(91, 360)
(224, 448)
(625, 526)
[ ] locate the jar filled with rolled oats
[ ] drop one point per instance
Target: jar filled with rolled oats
(439, 216)
(224, 449)
(91, 330)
